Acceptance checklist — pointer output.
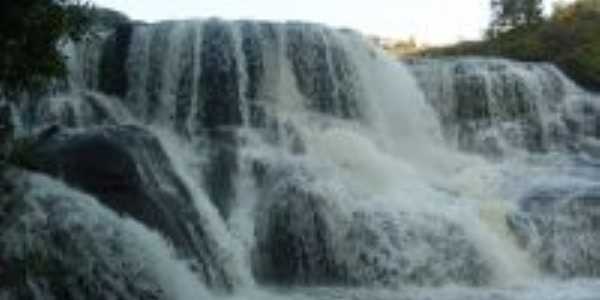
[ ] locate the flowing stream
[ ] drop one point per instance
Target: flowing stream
(248, 160)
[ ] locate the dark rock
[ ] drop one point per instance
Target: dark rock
(218, 88)
(112, 73)
(220, 171)
(78, 110)
(156, 64)
(323, 70)
(7, 129)
(295, 241)
(218, 85)
(75, 249)
(127, 169)
(253, 49)
(305, 238)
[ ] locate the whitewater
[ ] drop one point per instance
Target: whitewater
(211, 159)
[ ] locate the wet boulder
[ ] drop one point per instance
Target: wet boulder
(127, 169)
(309, 236)
(80, 109)
(296, 240)
(58, 243)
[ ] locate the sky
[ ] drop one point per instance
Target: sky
(434, 22)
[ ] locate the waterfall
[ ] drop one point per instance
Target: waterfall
(495, 106)
(210, 158)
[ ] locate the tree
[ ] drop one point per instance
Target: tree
(569, 12)
(511, 14)
(30, 31)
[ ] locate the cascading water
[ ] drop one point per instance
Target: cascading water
(497, 106)
(256, 160)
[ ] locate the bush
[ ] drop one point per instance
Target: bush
(29, 33)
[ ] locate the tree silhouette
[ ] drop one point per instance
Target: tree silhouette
(30, 31)
(511, 14)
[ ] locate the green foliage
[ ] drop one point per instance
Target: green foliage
(30, 31)
(510, 14)
(570, 38)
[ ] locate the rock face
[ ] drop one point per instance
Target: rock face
(127, 169)
(6, 130)
(296, 241)
(562, 228)
(306, 237)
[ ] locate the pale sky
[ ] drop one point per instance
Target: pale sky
(429, 21)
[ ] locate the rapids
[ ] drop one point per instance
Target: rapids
(250, 160)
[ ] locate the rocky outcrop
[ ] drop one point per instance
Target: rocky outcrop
(58, 243)
(309, 237)
(127, 169)
(6, 130)
(296, 241)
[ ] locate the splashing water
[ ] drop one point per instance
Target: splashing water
(302, 163)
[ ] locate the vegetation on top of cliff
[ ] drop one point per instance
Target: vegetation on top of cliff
(569, 38)
(31, 32)
(510, 14)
